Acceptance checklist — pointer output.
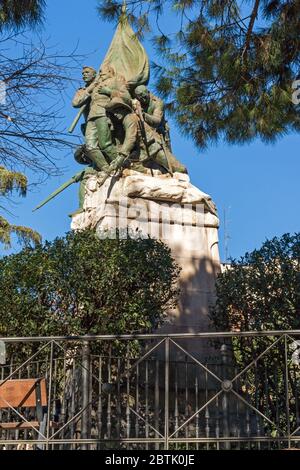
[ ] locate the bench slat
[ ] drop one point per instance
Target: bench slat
(24, 425)
(21, 393)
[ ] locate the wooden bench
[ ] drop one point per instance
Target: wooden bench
(24, 393)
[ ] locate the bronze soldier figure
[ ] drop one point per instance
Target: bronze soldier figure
(97, 129)
(137, 139)
(152, 109)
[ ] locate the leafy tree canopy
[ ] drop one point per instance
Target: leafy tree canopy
(81, 284)
(20, 13)
(261, 290)
(228, 70)
(10, 181)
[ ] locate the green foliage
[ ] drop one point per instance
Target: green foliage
(229, 68)
(261, 292)
(81, 284)
(10, 181)
(25, 235)
(20, 13)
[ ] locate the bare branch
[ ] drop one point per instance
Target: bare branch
(32, 116)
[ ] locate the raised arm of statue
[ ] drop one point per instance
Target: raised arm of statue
(81, 97)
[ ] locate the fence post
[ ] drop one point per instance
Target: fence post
(224, 401)
(167, 391)
(287, 399)
(85, 424)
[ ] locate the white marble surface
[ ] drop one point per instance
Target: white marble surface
(182, 216)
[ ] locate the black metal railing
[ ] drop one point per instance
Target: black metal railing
(154, 391)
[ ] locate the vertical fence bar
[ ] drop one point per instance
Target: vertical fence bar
(156, 404)
(99, 411)
(217, 424)
(287, 401)
(55, 394)
(2, 432)
(276, 377)
(206, 414)
(186, 401)
(118, 404)
(167, 372)
(137, 401)
(91, 425)
(197, 407)
(63, 401)
(239, 418)
(257, 386)
(72, 407)
(296, 395)
(108, 403)
(147, 403)
(225, 397)
(128, 416)
(176, 410)
(85, 418)
(49, 395)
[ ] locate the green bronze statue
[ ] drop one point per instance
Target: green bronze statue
(124, 123)
(75, 179)
(141, 144)
(152, 109)
(97, 133)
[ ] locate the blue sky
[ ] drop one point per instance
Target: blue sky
(257, 185)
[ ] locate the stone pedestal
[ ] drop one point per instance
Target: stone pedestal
(182, 216)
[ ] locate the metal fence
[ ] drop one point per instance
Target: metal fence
(154, 391)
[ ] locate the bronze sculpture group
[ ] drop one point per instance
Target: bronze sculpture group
(124, 124)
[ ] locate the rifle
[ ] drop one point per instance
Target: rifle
(147, 144)
(75, 179)
(142, 128)
(163, 144)
(76, 119)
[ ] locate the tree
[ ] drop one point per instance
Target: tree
(81, 284)
(228, 71)
(17, 14)
(261, 292)
(10, 181)
(32, 80)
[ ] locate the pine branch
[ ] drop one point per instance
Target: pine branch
(10, 180)
(250, 27)
(25, 235)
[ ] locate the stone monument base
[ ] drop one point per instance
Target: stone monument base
(179, 214)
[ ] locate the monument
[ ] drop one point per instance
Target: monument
(132, 182)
